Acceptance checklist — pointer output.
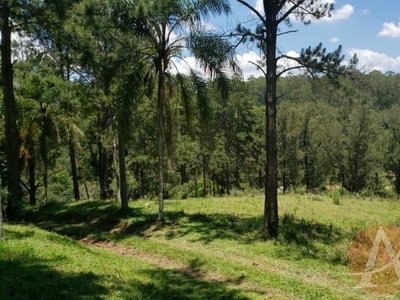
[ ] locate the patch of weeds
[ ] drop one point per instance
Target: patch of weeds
(336, 199)
(316, 198)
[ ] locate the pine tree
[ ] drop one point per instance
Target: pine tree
(273, 14)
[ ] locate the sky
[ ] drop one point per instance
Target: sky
(370, 28)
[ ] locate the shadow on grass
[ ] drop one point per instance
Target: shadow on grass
(24, 276)
(103, 220)
(303, 239)
(26, 279)
(31, 279)
(100, 219)
(83, 219)
(176, 284)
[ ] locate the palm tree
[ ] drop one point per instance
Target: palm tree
(40, 130)
(168, 28)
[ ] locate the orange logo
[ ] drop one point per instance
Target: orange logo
(374, 259)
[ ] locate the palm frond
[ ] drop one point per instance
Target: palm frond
(214, 53)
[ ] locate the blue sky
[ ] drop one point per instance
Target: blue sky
(370, 28)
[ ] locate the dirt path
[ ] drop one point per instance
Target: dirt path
(169, 264)
(197, 273)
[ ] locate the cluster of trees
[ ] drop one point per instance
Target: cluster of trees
(94, 105)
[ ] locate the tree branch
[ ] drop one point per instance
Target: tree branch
(253, 10)
(290, 10)
(287, 32)
(258, 66)
(24, 185)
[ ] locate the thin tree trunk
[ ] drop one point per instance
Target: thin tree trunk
(1, 212)
(46, 183)
(72, 153)
(160, 136)
(195, 182)
(83, 178)
(32, 179)
(204, 178)
(271, 219)
(74, 170)
(104, 159)
(397, 179)
(116, 168)
(122, 173)
(184, 176)
(11, 130)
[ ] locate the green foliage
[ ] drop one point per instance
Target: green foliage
(95, 75)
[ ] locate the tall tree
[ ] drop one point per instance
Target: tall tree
(270, 17)
(11, 132)
(168, 27)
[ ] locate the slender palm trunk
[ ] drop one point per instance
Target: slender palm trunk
(11, 130)
(160, 139)
(72, 152)
(271, 220)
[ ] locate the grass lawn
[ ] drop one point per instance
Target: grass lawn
(207, 249)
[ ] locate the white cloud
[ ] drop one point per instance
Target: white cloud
(376, 61)
(287, 64)
(340, 14)
(334, 40)
(365, 11)
(259, 5)
(337, 14)
(183, 66)
(246, 61)
(390, 29)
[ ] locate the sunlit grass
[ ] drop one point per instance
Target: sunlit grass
(35, 264)
(221, 237)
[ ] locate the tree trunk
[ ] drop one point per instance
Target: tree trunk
(11, 130)
(397, 178)
(1, 212)
(105, 159)
(83, 177)
(74, 170)
(271, 220)
(104, 172)
(116, 168)
(184, 176)
(160, 139)
(46, 183)
(102, 169)
(32, 179)
(122, 173)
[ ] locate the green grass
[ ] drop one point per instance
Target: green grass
(35, 264)
(207, 248)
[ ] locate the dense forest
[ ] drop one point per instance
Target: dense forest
(98, 103)
(328, 137)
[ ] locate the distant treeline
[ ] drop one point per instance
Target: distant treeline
(342, 133)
